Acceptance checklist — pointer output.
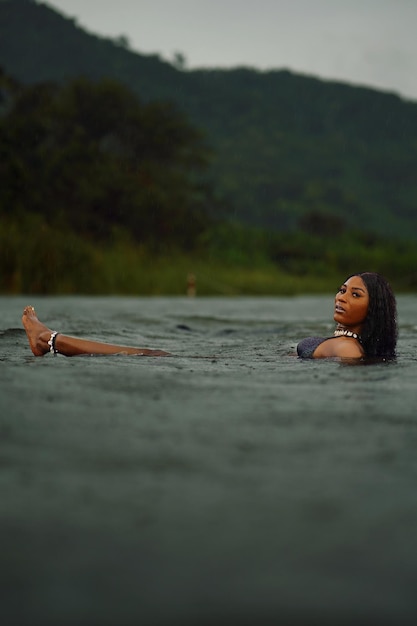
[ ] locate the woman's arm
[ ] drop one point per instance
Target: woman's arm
(343, 347)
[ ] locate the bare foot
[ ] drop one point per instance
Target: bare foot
(38, 334)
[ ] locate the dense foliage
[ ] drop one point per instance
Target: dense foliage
(91, 157)
(292, 184)
(285, 146)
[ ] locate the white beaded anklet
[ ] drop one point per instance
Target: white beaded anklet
(51, 342)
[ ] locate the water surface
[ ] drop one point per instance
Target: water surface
(230, 483)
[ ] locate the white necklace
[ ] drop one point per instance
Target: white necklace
(346, 333)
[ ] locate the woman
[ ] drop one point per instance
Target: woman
(366, 315)
(365, 312)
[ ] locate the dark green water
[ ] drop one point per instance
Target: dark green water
(245, 487)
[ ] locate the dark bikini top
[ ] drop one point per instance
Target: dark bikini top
(307, 346)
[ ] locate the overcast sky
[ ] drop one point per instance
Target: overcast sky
(367, 42)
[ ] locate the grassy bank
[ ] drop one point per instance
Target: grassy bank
(36, 258)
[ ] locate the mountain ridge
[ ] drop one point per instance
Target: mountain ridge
(287, 146)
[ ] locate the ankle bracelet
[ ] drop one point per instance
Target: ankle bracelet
(51, 343)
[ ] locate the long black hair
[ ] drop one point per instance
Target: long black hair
(379, 331)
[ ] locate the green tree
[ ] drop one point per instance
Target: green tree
(92, 156)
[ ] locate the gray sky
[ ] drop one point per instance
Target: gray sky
(367, 42)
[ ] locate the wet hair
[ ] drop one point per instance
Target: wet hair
(379, 331)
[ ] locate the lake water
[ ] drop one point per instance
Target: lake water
(232, 483)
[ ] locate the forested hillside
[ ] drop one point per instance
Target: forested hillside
(286, 147)
(120, 173)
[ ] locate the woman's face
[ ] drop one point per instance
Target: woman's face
(351, 304)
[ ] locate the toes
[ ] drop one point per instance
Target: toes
(29, 310)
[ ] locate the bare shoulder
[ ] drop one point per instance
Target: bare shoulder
(343, 347)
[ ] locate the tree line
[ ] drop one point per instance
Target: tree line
(91, 157)
(98, 187)
(283, 145)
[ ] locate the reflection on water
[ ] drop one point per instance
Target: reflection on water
(244, 486)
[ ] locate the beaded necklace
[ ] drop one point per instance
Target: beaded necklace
(346, 333)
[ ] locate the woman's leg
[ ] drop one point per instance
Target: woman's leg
(40, 335)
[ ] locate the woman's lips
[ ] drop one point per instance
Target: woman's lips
(338, 309)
